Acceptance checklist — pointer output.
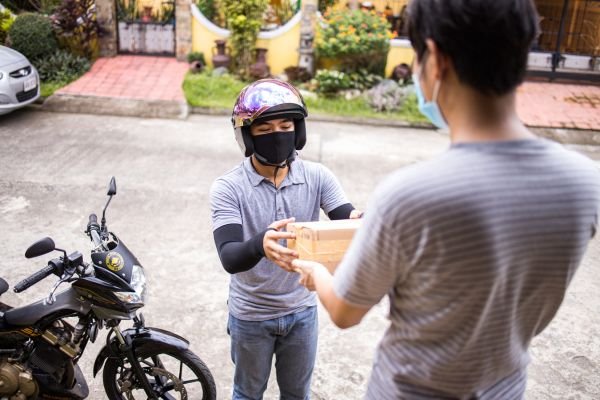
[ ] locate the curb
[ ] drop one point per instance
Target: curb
(170, 109)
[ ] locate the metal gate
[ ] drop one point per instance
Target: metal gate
(569, 43)
(147, 28)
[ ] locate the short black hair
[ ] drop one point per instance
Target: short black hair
(488, 41)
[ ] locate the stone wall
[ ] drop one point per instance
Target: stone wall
(106, 13)
(183, 26)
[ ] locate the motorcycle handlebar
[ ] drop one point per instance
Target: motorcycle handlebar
(35, 278)
(93, 230)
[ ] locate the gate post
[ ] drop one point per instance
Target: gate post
(183, 29)
(106, 15)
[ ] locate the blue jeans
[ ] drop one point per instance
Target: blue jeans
(291, 338)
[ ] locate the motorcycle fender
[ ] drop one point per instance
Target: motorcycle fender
(147, 338)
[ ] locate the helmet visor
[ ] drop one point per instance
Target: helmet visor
(256, 99)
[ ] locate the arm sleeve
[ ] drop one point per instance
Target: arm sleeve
(236, 254)
(332, 194)
(342, 212)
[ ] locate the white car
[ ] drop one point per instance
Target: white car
(19, 81)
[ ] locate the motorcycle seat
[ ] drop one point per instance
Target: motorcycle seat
(3, 286)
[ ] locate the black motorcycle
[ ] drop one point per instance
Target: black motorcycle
(41, 343)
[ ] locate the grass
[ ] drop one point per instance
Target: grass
(204, 90)
(48, 88)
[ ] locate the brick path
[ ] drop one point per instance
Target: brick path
(559, 105)
(132, 77)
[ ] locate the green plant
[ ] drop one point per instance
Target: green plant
(76, 27)
(128, 11)
(62, 66)
(196, 56)
(363, 79)
(330, 82)
(358, 39)
(48, 7)
(33, 36)
(244, 19)
(325, 4)
(6, 20)
(208, 9)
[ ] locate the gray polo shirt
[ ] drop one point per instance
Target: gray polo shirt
(475, 250)
(244, 197)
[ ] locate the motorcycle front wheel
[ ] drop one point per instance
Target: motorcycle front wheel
(173, 375)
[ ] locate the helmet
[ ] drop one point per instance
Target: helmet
(267, 99)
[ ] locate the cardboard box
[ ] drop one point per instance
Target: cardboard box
(323, 241)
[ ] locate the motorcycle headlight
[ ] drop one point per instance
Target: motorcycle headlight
(138, 282)
(129, 297)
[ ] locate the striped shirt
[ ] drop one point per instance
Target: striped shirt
(475, 250)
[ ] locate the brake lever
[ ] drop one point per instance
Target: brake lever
(51, 297)
(66, 277)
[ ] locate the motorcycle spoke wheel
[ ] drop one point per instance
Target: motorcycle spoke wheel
(179, 375)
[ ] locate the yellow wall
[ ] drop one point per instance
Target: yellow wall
(398, 55)
(282, 50)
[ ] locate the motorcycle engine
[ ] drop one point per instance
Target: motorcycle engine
(16, 382)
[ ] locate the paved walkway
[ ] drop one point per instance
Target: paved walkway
(132, 77)
(559, 105)
(158, 79)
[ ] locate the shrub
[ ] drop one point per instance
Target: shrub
(330, 82)
(244, 19)
(358, 39)
(62, 67)
(32, 35)
(6, 20)
(76, 27)
(196, 56)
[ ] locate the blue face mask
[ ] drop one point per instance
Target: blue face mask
(430, 109)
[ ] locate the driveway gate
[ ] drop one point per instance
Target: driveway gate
(146, 28)
(569, 43)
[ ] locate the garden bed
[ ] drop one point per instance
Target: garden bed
(218, 93)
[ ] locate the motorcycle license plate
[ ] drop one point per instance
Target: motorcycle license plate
(29, 84)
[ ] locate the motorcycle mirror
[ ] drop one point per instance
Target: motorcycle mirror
(41, 247)
(112, 187)
(112, 190)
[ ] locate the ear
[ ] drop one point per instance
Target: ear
(437, 62)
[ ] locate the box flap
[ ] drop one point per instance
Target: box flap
(325, 230)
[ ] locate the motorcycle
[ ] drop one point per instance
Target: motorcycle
(41, 344)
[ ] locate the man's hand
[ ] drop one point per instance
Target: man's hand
(355, 214)
(275, 252)
(307, 271)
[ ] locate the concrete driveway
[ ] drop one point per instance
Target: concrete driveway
(54, 171)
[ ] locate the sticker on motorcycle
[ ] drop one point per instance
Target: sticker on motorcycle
(114, 261)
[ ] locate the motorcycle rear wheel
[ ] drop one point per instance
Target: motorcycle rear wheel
(174, 375)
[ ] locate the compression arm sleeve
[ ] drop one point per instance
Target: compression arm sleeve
(236, 254)
(341, 212)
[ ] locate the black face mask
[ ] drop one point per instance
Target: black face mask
(275, 148)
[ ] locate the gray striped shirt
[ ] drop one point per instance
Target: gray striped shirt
(475, 250)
